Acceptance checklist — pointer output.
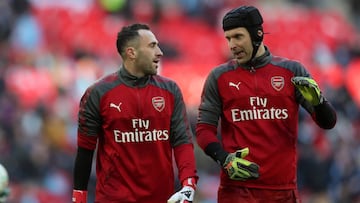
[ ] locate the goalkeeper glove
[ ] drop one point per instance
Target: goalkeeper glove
(187, 192)
(239, 168)
(309, 89)
(79, 196)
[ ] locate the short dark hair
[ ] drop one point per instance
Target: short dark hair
(127, 34)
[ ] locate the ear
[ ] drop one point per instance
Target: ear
(130, 52)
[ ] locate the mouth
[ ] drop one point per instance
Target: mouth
(156, 61)
(239, 54)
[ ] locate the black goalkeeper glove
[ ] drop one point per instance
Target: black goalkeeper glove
(239, 168)
(309, 89)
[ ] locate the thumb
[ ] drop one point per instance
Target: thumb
(242, 152)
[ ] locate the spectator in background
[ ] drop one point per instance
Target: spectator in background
(257, 97)
(136, 119)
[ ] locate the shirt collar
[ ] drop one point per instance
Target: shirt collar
(132, 80)
(259, 61)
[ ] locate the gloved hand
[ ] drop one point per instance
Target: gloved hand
(309, 89)
(187, 192)
(79, 196)
(239, 168)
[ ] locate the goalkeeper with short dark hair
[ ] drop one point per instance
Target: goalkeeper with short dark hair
(255, 97)
(136, 121)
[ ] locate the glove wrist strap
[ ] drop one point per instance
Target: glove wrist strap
(190, 182)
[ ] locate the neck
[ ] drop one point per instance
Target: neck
(260, 51)
(131, 68)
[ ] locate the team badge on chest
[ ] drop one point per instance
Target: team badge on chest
(277, 82)
(158, 103)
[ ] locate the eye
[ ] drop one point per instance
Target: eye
(153, 45)
(238, 36)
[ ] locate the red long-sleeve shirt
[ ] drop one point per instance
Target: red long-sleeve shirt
(136, 124)
(258, 108)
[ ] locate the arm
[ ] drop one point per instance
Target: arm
(185, 161)
(207, 140)
(234, 164)
(82, 170)
(181, 141)
(324, 115)
(88, 128)
(209, 113)
(310, 97)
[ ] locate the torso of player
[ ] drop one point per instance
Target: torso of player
(260, 112)
(137, 115)
(135, 144)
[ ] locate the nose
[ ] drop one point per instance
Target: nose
(232, 43)
(159, 52)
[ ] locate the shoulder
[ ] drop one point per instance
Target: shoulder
(164, 83)
(292, 65)
(107, 79)
(103, 84)
(223, 68)
(162, 79)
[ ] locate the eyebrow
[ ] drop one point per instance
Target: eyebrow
(153, 43)
(234, 35)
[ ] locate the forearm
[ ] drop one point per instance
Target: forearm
(216, 152)
(185, 161)
(82, 168)
(324, 115)
(206, 136)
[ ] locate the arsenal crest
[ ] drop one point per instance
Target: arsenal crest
(158, 103)
(277, 82)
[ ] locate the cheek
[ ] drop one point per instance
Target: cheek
(248, 46)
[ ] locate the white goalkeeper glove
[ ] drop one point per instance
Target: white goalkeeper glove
(186, 194)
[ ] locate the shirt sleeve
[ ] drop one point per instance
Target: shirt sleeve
(89, 119)
(180, 127)
(324, 114)
(211, 106)
(185, 161)
(209, 113)
(82, 168)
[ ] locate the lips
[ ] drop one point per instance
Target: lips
(239, 54)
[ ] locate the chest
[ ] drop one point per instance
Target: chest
(125, 104)
(260, 88)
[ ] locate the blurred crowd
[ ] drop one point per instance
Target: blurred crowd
(51, 51)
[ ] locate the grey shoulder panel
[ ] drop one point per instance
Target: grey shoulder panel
(294, 66)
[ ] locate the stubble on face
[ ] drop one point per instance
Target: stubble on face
(149, 53)
(240, 45)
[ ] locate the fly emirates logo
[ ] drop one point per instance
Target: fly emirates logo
(140, 133)
(259, 111)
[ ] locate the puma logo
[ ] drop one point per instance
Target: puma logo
(231, 84)
(116, 106)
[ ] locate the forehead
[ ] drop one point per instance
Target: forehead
(147, 36)
(236, 31)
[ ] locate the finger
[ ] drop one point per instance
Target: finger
(242, 153)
